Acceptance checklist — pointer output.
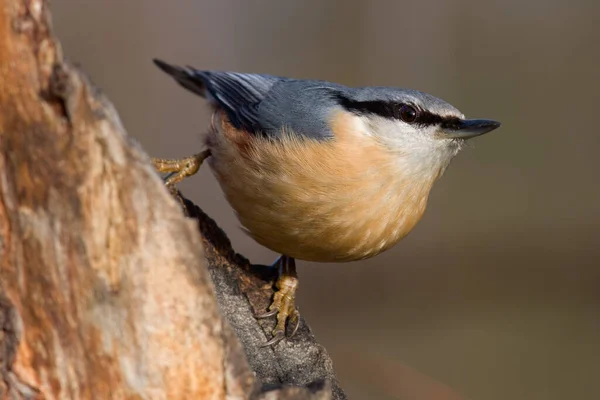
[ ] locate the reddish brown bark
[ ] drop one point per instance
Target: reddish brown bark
(104, 287)
(105, 291)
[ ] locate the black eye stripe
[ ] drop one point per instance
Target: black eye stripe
(384, 109)
(392, 110)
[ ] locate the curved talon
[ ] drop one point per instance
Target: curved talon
(168, 177)
(274, 340)
(267, 314)
(295, 318)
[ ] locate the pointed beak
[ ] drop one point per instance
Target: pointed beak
(469, 128)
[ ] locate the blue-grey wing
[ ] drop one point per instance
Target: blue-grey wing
(263, 104)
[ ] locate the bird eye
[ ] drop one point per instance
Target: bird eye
(408, 113)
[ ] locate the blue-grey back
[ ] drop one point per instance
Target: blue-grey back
(267, 104)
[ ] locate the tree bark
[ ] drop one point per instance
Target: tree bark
(105, 290)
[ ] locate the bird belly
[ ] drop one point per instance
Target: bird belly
(316, 201)
(319, 228)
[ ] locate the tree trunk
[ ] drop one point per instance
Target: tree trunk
(105, 289)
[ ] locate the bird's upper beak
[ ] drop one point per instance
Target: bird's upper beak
(469, 128)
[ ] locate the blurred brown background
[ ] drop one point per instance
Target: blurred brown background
(496, 292)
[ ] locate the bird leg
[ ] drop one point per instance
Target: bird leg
(180, 169)
(283, 304)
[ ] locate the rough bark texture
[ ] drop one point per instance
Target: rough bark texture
(104, 290)
(243, 290)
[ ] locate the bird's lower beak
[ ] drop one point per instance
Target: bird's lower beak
(469, 128)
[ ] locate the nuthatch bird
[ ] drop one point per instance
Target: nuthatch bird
(319, 171)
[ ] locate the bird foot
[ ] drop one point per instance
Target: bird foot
(179, 169)
(283, 305)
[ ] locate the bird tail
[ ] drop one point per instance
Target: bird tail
(185, 77)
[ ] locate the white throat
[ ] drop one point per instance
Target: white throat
(421, 152)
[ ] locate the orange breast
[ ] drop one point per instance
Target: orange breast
(329, 201)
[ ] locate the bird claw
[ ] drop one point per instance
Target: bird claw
(279, 333)
(179, 169)
(283, 304)
(295, 318)
(278, 337)
(266, 315)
